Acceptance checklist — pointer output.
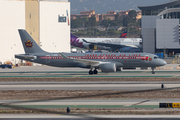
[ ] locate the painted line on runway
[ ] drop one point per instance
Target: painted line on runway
(85, 76)
(83, 106)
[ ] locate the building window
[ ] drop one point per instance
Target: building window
(154, 12)
(178, 15)
(179, 31)
(61, 19)
(147, 12)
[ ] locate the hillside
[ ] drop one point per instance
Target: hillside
(102, 6)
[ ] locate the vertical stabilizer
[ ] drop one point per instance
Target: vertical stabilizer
(73, 37)
(123, 35)
(30, 46)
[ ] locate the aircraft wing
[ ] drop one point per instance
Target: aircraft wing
(110, 44)
(85, 61)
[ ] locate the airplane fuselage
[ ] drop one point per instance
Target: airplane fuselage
(120, 59)
(78, 42)
(107, 62)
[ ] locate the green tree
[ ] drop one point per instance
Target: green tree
(84, 21)
(114, 23)
(75, 23)
(105, 23)
(127, 21)
(133, 15)
(118, 19)
(91, 22)
(139, 22)
(105, 17)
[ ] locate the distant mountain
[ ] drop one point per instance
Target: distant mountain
(102, 6)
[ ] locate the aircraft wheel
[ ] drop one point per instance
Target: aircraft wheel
(10, 67)
(90, 72)
(153, 72)
(95, 72)
(162, 86)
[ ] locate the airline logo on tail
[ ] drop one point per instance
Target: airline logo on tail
(28, 44)
(75, 41)
(123, 35)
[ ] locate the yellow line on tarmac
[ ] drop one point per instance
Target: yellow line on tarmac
(176, 75)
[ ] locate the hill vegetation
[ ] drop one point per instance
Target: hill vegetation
(89, 27)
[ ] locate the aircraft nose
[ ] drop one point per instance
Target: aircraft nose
(163, 62)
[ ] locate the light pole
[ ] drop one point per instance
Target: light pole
(107, 28)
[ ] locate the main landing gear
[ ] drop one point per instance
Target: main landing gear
(93, 72)
(153, 72)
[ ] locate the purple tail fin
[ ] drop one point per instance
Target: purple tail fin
(75, 41)
(73, 37)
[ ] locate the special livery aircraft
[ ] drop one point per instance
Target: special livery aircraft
(107, 62)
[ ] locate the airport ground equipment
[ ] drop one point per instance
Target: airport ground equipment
(6, 66)
(169, 105)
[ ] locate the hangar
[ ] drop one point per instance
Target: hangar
(160, 28)
(47, 21)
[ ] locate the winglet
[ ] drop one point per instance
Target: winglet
(85, 40)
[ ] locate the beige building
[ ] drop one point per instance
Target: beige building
(47, 21)
(91, 12)
(139, 15)
(99, 17)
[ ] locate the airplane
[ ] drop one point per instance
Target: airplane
(123, 35)
(107, 62)
(110, 44)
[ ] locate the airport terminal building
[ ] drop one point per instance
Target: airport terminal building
(161, 28)
(47, 21)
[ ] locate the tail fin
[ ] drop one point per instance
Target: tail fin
(123, 35)
(73, 37)
(30, 46)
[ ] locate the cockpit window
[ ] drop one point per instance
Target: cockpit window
(156, 57)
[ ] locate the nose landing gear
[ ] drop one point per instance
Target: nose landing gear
(153, 72)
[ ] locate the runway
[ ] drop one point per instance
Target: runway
(84, 86)
(91, 117)
(114, 86)
(97, 103)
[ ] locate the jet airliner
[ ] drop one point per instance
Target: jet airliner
(110, 44)
(106, 62)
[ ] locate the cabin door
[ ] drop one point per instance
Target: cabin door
(48, 58)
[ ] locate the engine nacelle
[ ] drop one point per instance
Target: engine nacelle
(108, 67)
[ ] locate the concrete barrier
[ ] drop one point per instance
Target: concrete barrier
(168, 68)
(144, 68)
(158, 68)
(178, 67)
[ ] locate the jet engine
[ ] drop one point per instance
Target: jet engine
(108, 67)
